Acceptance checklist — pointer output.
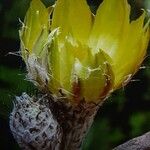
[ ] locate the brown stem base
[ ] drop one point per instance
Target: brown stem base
(46, 123)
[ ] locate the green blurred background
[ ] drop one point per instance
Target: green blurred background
(123, 116)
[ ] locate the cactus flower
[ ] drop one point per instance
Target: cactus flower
(73, 53)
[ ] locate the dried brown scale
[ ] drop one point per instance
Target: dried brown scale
(75, 120)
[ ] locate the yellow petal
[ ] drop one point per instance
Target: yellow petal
(78, 73)
(35, 27)
(130, 52)
(60, 63)
(123, 41)
(94, 79)
(112, 17)
(73, 17)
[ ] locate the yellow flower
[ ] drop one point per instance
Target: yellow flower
(71, 52)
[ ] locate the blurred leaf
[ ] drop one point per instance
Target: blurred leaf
(102, 136)
(139, 122)
(13, 83)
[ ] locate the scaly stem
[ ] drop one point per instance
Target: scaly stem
(46, 123)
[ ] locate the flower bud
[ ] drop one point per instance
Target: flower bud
(32, 124)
